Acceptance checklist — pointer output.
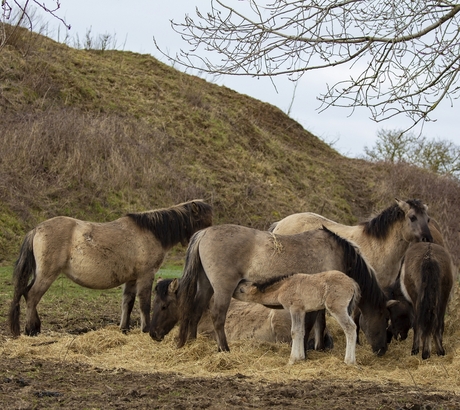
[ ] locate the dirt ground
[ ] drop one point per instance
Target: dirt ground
(37, 384)
(32, 377)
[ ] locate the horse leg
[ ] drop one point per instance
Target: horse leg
(440, 351)
(35, 293)
(349, 328)
(416, 340)
(219, 310)
(322, 338)
(127, 304)
(144, 293)
(310, 320)
(426, 350)
(202, 298)
(297, 335)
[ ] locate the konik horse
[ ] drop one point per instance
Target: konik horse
(301, 293)
(128, 251)
(383, 240)
(219, 257)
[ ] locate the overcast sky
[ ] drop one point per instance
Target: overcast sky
(134, 23)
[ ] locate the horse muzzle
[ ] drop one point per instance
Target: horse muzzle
(155, 336)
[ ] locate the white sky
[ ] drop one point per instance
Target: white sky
(134, 23)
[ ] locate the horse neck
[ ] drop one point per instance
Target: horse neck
(268, 297)
(384, 255)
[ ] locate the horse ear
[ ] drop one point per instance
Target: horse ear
(172, 288)
(392, 302)
(403, 205)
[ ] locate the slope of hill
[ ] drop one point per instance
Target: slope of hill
(94, 135)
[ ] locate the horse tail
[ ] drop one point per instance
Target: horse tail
(272, 227)
(24, 268)
(355, 298)
(427, 312)
(188, 286)
(357, 268)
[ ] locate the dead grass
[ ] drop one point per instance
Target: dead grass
(108, 348)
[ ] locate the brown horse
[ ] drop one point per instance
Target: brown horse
(244, 320)
(128, 251)
(427, 278)
(220, 256)
(383, 240)
(301, 293)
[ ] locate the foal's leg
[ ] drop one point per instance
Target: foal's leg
(127, 304)
(297, 335)
(144, 293)
(340, 313)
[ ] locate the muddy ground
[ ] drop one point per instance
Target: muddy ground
(40, 384)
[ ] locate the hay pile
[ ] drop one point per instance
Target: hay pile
(108, 348)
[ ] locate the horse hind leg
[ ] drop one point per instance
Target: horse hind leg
(349, 328)
(297, 335)
(127, 304)
(426, 349)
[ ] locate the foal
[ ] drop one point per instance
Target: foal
(301, 293)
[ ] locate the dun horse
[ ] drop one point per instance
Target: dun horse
(219, 257)
(128, 251)
(383, 240)
(427, 279)
(301, 293)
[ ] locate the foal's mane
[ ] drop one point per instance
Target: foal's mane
(175, 224)
(380, 225)
(263, 286)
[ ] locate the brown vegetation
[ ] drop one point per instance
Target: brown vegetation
(95, 135)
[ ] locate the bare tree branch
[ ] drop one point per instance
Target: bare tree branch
(404, 55)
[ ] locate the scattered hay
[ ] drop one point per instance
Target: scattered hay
(108, 348)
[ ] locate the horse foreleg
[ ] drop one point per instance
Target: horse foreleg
(127, 304)
(297, 335)
(144, 293)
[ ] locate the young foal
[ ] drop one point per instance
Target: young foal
(301, 293)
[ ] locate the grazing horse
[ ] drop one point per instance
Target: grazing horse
(128, 251)
(244, 320)
(219, 257)
(301, 293)
(427, 278)
(383, 240)
(401, 310)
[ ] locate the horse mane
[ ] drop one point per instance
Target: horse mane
(379, 226)
(263, 286)
(175, 224)
(358, 269)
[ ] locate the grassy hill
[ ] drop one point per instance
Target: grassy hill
(95, 135)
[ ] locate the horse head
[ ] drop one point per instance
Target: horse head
(165, 312)
(401, 319)
(374, 326)
(417, 229)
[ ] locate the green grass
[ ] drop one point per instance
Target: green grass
(71, 307)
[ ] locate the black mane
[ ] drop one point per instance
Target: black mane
(161, 288)
(379, 226)
(176, 224)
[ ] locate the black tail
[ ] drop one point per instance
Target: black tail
(358, 269)
(428, 297)
(188, 286)
(24, 268)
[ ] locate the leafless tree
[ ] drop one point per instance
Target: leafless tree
(21, 14)
(406, 53)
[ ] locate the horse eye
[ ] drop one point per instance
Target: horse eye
(413, 218)
(164, 307)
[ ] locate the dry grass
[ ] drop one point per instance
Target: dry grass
(108, 348)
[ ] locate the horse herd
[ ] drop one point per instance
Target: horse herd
(383, 276)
